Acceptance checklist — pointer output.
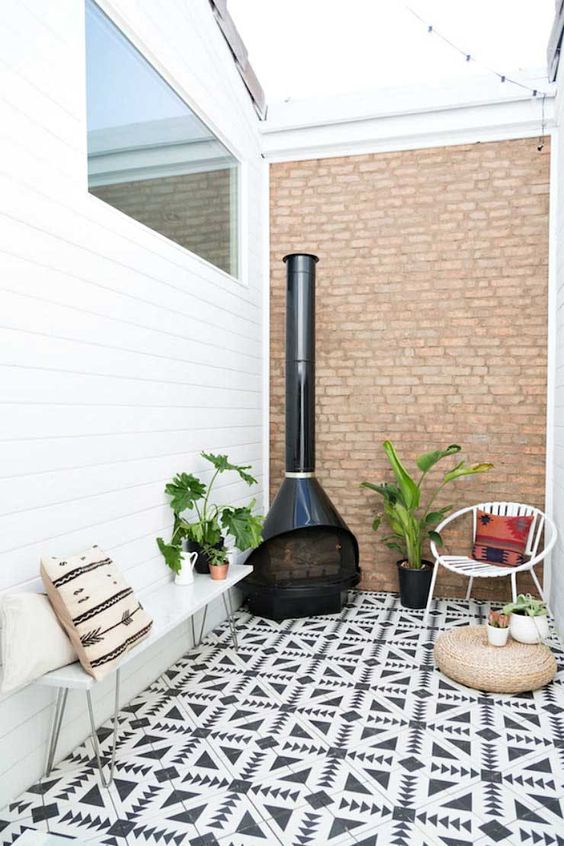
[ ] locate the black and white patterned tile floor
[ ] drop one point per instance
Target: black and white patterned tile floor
(327, 731)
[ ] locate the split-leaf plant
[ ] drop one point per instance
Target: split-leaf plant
(198, 519)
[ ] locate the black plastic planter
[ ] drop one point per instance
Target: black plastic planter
(414, 585)
(202, 564)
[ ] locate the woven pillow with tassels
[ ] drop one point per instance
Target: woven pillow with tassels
(97, 608)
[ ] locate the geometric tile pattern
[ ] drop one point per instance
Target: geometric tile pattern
(329, 730)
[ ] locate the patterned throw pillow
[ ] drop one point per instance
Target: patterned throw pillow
(97, 608)
(501, 540)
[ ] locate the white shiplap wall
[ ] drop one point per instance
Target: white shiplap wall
(555, 434)
(122, 355)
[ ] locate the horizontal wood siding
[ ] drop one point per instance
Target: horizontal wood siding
(122, 355)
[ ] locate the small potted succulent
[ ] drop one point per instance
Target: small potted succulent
(528, 620)
(218, 562)
(412, 518)
(498, 628)
(201, 526)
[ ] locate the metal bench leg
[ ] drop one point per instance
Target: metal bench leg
(56, 730)
(193, 631)
(202, 627)
(229, 612)
(95, 736)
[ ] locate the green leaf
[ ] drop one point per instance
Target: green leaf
(203, 531)
(462, 469)
(429, 459)
(376, 523)
(396, 546)
(391, 493)
(184, 490)
(526, 604)
(244, 526)
(434, 517)
(435, 536)
(222, 464)
(171, 554)
(407, 486)
(216, 556)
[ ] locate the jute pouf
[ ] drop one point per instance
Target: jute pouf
(464, 655)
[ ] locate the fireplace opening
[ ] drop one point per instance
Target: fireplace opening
(325, 554)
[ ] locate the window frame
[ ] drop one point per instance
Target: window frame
(108, 8)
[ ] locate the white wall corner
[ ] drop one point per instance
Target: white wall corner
(265, 218)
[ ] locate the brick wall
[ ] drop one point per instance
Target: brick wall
(431, 321)
(192, 209)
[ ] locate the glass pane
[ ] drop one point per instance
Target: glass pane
(148, 153)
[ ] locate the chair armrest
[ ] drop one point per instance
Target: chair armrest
(450, 519)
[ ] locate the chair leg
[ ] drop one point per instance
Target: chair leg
(469, 588)
(537, 583)
(229, 612)
(95, 736)
(513, 586)
(431, 591)
(56, 729)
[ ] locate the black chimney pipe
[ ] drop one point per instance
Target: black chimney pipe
(300, 363)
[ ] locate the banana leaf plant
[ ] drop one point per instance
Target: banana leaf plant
(411, 518)
(198, 519)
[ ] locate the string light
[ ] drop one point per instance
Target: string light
(470, 58)
(540, 145)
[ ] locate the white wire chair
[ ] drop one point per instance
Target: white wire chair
(471, 568)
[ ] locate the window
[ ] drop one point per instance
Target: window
(150, 156)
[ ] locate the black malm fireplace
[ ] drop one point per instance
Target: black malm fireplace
(308, 557)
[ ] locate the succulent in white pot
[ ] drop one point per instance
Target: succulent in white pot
(528, 620)
(498, 628)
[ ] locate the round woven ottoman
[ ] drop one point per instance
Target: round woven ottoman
(464, 655)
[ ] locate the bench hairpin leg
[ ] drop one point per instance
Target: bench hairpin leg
(229, 611)
(203, 625)
(193, 631)
(95, 736)
(56, 730)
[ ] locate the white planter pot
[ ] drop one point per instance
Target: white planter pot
(527, 629)
(496, 636)
(186, 575)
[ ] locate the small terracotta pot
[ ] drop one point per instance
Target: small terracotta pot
(219, 571)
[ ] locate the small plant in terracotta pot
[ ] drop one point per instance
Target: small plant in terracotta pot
(498, 628)
(219, 563)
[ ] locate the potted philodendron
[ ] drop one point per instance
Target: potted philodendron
(528, 621)
(498, 628)
(207, 525)
(413, 521)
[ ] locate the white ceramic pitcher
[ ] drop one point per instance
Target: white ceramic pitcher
(187, 562)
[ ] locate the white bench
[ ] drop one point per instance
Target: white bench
(169, 605)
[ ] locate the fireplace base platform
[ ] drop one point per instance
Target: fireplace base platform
(293, 602)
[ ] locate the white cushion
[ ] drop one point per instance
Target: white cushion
(33, 640)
